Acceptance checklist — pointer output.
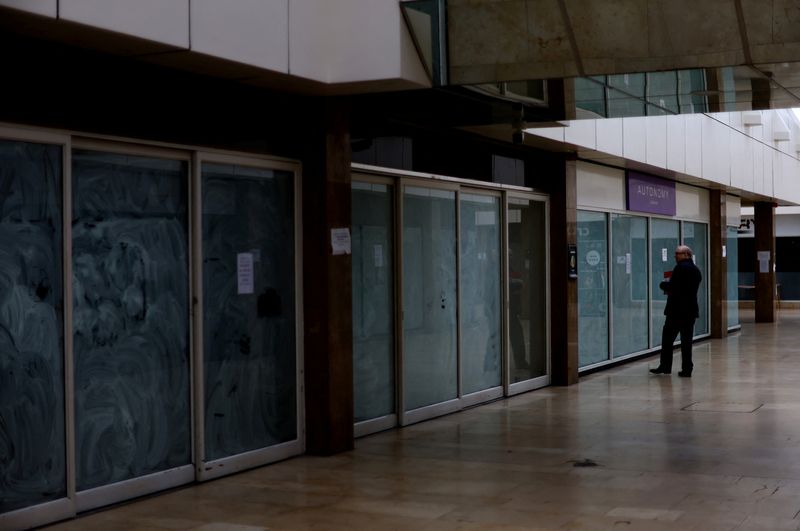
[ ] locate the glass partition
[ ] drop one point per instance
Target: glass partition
(480, 304)
(527, 290)
(733, 277)
(629, 280)
(250, 376)
(373, 300)
(592, 287)
(32, 434)
(664, 238)
(130, 316)
(695, 235)
(429, 296)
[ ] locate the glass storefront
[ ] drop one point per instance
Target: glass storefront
(461, 344)
(115, 406)
(641, 253)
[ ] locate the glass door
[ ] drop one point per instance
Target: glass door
(248, 389)
(130, 325)
(374, 390)
(527, 321)
(664, 238)
(34, 448)
(695, 235)
(429, 301)
(628, 284)
(480, 301)
(592, 287)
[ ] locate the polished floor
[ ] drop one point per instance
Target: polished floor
(621, 450)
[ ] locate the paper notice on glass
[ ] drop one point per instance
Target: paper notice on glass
(664, 255)
(763, 266)
(340, 241)
(244, 273)
(763, 255)
(724, 251)
(627, 263)
(378, 252)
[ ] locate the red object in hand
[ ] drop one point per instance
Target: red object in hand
(667, 274)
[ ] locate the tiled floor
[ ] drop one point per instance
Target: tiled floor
(719, 451)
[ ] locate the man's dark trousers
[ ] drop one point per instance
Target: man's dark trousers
(672, 327)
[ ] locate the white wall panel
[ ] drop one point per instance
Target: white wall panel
(600, 186)
(694, 144)
(716, 152)
(581, 133)
(553, 133)
(254, 32)
(769, 174)
(676, 143)
(757, 166)
(634, 139)
(691, 202)
(733, 207)
(47, 8)
(348, 41)
(165, 21)
(787, 225)
(790, 171)
(741, 155)
(656, 138)
(609, 136)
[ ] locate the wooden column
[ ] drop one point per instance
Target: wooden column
(718, 264)
(765, 243)
(563, 290)
(327, 298)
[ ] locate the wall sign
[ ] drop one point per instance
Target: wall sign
(650, 194)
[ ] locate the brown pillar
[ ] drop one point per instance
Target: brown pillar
(765, 246)
(718, 264)
(563, 290)
(327, 299)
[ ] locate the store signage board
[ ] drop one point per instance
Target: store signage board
(650, 194)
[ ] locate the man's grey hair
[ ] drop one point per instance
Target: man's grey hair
(685, 249)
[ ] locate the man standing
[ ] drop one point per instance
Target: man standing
(681, 312)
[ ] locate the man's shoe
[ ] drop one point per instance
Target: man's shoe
(659, 370)
(684, 374)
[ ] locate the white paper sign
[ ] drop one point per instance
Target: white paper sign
(340, 241)
(377, 250)
(663, 255)
(627, 263)
(763, 255)
(244, 273)
(724, 251)
(763, 266)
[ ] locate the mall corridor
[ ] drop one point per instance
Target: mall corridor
(620, 450)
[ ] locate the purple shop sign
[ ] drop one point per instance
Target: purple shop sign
(650, 194)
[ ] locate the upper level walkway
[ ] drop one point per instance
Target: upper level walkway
(621, 450)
